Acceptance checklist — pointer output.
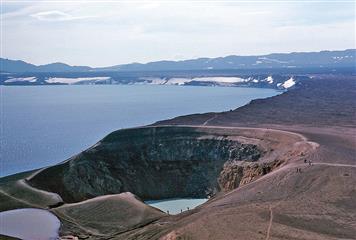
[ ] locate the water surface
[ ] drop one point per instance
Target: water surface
(177, 205)
(30, 224)
(44, 125)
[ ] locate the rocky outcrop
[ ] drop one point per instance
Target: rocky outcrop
(237, 173)
(151, 162)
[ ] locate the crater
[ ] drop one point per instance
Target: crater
(157, 163)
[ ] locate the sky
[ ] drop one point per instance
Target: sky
(106, 33)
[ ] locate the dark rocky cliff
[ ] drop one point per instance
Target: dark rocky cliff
(153, 163)
(236, 174)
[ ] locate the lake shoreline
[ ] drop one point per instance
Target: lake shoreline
(49, 138)
(303, 126)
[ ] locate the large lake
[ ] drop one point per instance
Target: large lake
(43, 125)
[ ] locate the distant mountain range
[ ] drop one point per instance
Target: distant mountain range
(18, 66)
(323, 59)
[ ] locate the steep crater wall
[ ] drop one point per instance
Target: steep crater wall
(152, 163)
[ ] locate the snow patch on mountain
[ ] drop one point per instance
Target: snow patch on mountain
(182, 81)
(75, 80)
(220, 79)
(24, 79)
(154, 80)
(289, 83)
(178, 81)
(269, 60)
(269, 79)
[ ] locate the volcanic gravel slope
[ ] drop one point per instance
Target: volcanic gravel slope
(315, 121)
(319, 102)
(317, 203)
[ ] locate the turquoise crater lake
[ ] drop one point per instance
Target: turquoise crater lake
(44, 125)
(176, 205)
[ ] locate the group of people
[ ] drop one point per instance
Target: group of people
(180, 210)
(310, 163)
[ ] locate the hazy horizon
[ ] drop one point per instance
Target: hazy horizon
(101, 34)
(92, 66)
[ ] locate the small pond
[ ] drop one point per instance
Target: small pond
(176, 205)
(29, 224)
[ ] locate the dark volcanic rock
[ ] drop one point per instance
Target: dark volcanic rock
(152, 163)
(235, 174)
